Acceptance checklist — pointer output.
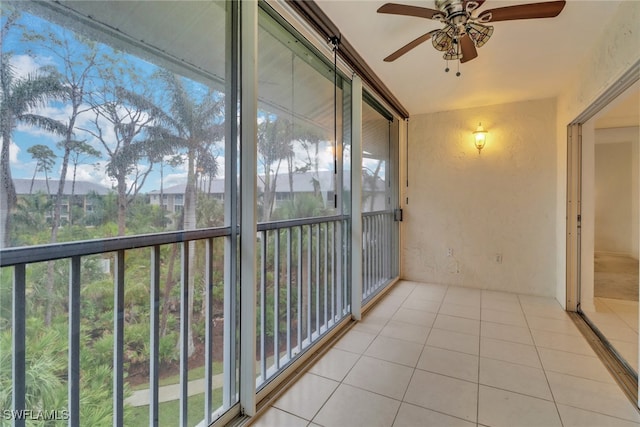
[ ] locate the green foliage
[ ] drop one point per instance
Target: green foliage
(45, 367)
(302, 206)
(168, 349)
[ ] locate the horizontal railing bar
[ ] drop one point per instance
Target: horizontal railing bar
(50, 252)
(374, 213)
(276, 225)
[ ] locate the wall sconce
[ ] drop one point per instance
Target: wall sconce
(480, 135)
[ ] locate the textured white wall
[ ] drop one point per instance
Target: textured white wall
(501, 202)
(616, 191)
(616, 51)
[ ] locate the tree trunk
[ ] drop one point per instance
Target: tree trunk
(168, 286)
(7, 188)
(122, 204)
(33, 178)
(190, 224)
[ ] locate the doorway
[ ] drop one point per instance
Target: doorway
(602, 224)
(610, 160)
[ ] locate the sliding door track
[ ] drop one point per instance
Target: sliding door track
(621, 371)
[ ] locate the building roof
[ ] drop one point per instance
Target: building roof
(302, 183)
(81, 188)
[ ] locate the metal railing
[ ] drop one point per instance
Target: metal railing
(116, 251)
(379, 251)
(302, 293)
(302, 287)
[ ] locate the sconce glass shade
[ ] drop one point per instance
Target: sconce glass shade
(480, 135)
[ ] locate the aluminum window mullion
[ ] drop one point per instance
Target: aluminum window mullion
(356, 198)
(74, 339)
(248, 193)
(232, 50)
(18, 341)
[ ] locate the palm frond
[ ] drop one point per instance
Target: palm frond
(34, 91)
(46, 123)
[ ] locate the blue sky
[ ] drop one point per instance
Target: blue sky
(29, 56)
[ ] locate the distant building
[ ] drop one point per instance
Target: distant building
(301, 183)
(81, 192)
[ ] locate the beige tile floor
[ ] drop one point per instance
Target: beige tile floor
(430, 355)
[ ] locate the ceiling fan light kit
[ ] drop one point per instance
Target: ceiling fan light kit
(465, 30)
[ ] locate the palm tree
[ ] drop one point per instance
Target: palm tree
(19, 96)
(274, 146)
(191, 125)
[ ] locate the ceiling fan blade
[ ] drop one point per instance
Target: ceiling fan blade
(468, 49)
(403, 9)
(406, 48)
(524, 11)
(480, 2)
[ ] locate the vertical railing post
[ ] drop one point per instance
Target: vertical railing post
(356, 198)
(18, 338)
(185, 318)
(74, 341)
(309, 271)
(276, 298)
(289, 331)
(248, 193)
(263, 304)
(208, 335)
(118, 341)
(325, 253)
(299, 290)
(317, 279)
(154, 360)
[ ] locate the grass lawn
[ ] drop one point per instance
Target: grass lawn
(169, 412)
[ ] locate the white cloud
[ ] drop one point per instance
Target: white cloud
(24, 65)
(175, 179)
(14, 150)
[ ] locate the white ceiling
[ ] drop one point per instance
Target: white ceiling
(526, 59)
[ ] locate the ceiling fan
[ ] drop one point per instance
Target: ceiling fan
(465, 30)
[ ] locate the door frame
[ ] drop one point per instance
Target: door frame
(574, 181)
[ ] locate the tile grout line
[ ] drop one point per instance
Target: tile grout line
(479, 362)
(404, 395)
(341, 382)
(544, 371)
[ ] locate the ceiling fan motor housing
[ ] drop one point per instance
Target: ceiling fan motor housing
(457, 13)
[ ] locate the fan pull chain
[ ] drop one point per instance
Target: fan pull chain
(458, 56)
